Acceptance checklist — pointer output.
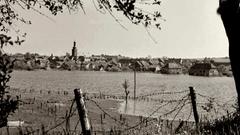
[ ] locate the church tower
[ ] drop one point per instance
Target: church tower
(74, 51)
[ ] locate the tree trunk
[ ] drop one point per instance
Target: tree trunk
(230, 14)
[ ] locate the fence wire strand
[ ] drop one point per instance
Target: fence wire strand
(105, 112)
(146, 119)
(58, 124)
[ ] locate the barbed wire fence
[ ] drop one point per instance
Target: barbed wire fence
(153, 122)
(46, 131)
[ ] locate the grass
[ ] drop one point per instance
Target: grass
(226, 125)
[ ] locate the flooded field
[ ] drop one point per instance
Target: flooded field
(222, 89)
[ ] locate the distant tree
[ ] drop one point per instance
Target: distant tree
(28, 56)
(221, 69)
(68, 55)
(81, 59)
(20, 65)
(206, 60)
(125, 85)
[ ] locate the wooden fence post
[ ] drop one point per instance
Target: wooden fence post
(134, 78)
(134, 81)
(194, 107)
(82, 111)
(8, 133)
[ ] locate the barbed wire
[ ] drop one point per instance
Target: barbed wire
(58, 124)
(135, 126)
(177, 106)
(105, 112)
(184, 99)
(164, 93)
(190, 114)
(75, 128)
(184, 102)
(146, 95)
(204, 96)
(181, 107)
(214, 100)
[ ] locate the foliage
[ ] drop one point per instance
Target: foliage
(228, 124)
(21, 65)
(7, 105)
(125, 84)
(137, 15)
(132, 9)
(209, 106)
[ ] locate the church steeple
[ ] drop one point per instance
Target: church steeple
(74, 51)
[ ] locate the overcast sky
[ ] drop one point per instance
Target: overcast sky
(192, 29)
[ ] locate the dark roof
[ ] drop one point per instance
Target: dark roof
(172, 66)
(174, 60)
(138, 63)
(203, 66)
(221, 60)
(144, 63)
(154, 61)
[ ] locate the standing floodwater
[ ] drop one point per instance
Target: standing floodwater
(222, 89)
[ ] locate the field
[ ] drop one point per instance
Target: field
(47, 97)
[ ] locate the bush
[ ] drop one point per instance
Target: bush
(227, 125)
(7, 105)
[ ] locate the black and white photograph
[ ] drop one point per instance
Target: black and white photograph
(119, 67)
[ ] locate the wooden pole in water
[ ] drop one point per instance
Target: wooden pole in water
(194, 106)
(82, 111)
(134, 93)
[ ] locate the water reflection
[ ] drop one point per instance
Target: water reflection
(125, 108)
(132, 107)
(146, 109)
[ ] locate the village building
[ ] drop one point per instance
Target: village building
(87, 59)
(227, 71)
(125, 61)
(138, 66)
(18, 56)
(155, 65)
(145, 65)
(98, 58)
(20, 65)
(203, 69)
(174, 60)
(224, 70)
(99, 65)
(221, 61)
(126, 64)
(42, 63)
(89, 66)
(172, 68)
(186, 65)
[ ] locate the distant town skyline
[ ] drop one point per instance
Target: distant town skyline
(192, 30)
